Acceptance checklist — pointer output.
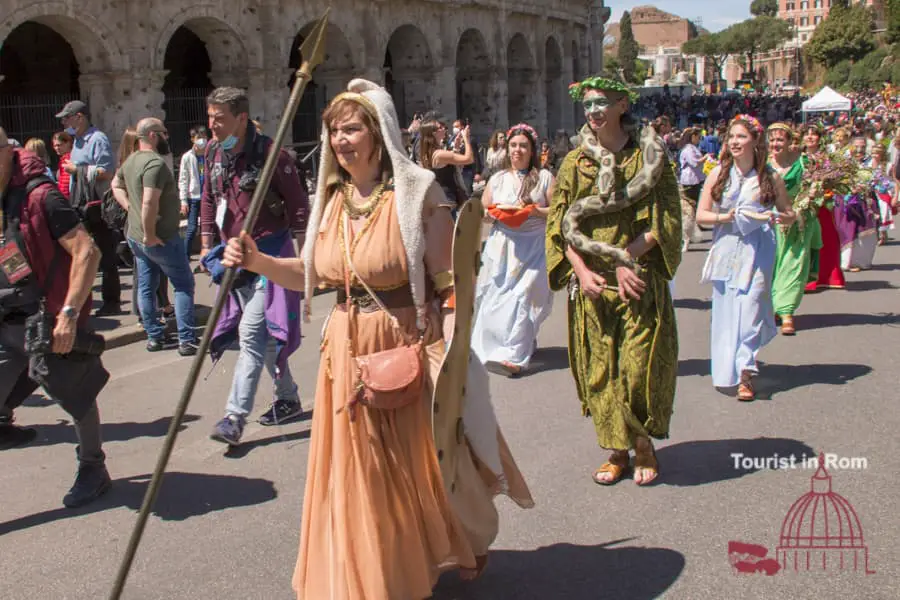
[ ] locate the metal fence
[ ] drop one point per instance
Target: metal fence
(33, 115)
(184, 108)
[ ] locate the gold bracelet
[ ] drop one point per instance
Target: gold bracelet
(443, 280)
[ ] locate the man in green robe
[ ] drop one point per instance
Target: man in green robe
(616, 251)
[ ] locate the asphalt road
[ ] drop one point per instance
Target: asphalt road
(226, 524)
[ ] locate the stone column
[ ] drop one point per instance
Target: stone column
(567, 75)
(499, 95)
(268, 94)
(445, 90)
(119, 99)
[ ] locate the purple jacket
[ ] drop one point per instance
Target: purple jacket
(282, 318)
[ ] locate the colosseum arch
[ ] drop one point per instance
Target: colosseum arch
(199, 51)
(43, 54)
(577, 75)
(328, 79)
(409, 72)
(554, 85)
(473, 82)
(521, 80)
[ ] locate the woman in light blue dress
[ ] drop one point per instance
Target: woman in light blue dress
(513, 293)
(743, 199)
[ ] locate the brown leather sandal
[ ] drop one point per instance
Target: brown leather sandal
(745, 391)
(787, 325)
(617, 470)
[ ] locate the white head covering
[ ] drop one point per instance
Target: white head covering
(411, 182)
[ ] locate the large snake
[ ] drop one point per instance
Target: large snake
(608, 200)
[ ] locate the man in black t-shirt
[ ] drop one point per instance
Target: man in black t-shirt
(48, 263)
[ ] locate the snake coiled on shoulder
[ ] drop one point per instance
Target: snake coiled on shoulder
(608, 200)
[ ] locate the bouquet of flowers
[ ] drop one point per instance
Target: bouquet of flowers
(824, 176)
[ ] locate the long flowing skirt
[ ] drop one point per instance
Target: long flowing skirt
(825, 263)
(742, 323)
(860, 253)
(513, 297)
(792, 264)
(378, 522)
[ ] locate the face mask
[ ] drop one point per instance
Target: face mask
(200, 144)
(455, 130)
(229, 143)
(163, 147)
(597, 104)
(70, 131)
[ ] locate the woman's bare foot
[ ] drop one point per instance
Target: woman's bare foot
(646, 467)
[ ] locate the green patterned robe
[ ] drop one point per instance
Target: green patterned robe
(793, 260)
(624, 356)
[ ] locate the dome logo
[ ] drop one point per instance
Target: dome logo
(820, 533)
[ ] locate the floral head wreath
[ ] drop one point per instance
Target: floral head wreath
(578, 89)
(751, 120)
(526, 127)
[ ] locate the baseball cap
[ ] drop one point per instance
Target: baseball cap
(73, 108)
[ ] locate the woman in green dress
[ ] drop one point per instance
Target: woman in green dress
(614, 240)
(796, 241)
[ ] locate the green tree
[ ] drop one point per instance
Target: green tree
(764, 8)
(756, 35)
(892, 11)
(710, 46)
(628, 47)
(846, 34)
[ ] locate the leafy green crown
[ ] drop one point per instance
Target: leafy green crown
(603, 83)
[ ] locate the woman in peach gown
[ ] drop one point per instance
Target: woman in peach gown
(379, 522)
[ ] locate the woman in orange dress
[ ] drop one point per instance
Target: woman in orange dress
(379, 522)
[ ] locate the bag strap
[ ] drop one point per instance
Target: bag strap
(347, 241)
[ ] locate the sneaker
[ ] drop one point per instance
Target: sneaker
(91, 482)
(187, 349)
(281, 412)
(166, 343)
(12, 436)
(229, 430)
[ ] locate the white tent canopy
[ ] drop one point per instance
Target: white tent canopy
(827, 100)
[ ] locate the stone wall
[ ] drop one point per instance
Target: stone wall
(490, 61)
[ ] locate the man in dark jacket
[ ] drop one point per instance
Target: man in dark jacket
(48, 263)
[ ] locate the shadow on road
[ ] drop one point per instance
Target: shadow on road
(693, 304)
(246, 447)
(781, 378)
(62, 431)
(552, 358)
(843, 320)
(181, 496)
(570, 572)
(887, 267)
(710, 461)
(866, 286)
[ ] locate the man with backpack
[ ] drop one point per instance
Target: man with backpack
(48, 263)
(265, 317)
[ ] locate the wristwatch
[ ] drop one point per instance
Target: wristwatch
(69, 312)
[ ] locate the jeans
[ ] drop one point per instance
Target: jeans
(257, 350)
(149, 262)
(193, 224)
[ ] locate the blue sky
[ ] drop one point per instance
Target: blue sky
(715, 15)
